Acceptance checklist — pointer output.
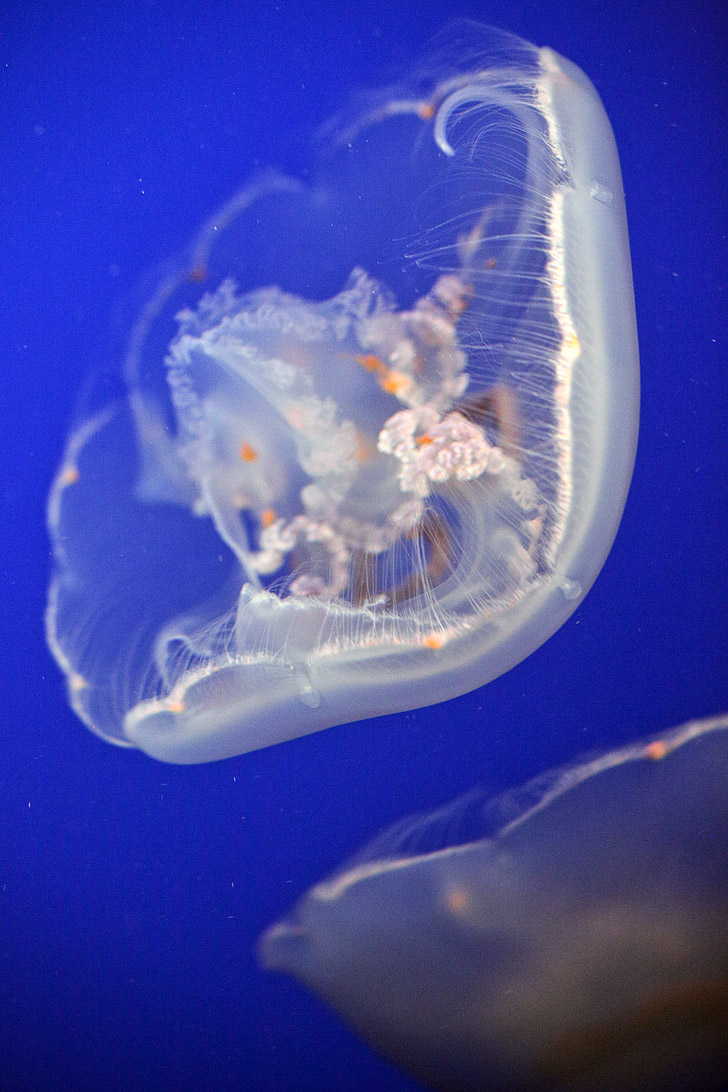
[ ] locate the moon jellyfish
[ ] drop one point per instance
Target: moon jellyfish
(376, 430)
(579, 942)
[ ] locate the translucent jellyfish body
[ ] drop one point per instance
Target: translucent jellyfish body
(383, 454)
(583, 945)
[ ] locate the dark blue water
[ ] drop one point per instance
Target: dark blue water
(131, 893)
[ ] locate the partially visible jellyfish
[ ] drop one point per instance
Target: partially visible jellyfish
(582, 945)
(385, 454)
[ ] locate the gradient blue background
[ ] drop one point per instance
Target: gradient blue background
(131, 893)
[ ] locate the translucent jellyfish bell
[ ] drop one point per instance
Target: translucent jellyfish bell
(583, 945)
(384, 453)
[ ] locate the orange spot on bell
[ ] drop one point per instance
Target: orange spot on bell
(656, 750)
(433, 640)
(426, 111)
(268, 517)
(364, 447)
(175, 706)
(70, 475)
(457, 900)
(395, 382)
(247, 453)
(572, 343)
(425, 439)
(371, 363)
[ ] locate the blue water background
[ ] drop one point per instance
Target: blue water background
(132, 893)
